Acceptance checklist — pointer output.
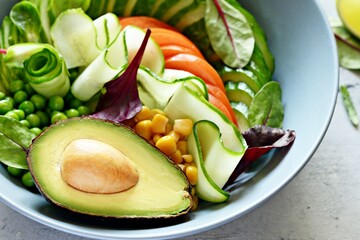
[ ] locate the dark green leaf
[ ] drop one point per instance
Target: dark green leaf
(12, 154)
(266, 107)
(229, 32)
(349, 106)
(16, 132)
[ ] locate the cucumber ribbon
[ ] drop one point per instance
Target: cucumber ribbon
(47, 74)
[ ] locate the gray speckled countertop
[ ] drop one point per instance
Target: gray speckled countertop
(322, 202)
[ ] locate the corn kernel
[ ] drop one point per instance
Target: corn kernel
(144, 114)
(156, 137)
(192, 174)
(182, 146)
(167, 145)
(175, 135)
(156, 111)
(159, 122)
(176, 157)
(188, 158)
(143, 128)
(183, 126)
(168, 128)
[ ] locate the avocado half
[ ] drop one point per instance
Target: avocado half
(100, 168)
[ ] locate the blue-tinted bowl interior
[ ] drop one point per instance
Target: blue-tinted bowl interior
(307, 69)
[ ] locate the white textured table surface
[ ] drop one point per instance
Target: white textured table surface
(322, 202)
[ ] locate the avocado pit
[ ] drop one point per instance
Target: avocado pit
(93, 166)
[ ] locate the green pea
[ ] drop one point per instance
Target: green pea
(2, 95)
(5, 106)
(20, 113)
(84, 110)
(53, 113)
(13, 115)
(27, 180)
(27, 106)
(25, 123)
(34, 120)
(36, 130)
(56, 103)
(44, 118)
(20, 96)
(16, 85)
(17, 172)
(68, 97)
(71, 113)
(39, 101)
(75, 103)
(29, 89)
(57, 117)
(10, 99)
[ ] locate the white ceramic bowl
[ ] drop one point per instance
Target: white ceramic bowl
(306, 67)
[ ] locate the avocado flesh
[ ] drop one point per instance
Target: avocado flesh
(162, 189)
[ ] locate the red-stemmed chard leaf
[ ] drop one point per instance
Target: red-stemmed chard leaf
(121, 100)
(229, 32)
(260, 140)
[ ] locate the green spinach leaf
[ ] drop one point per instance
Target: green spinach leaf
(266, 107)
(12, 154)
(229, 32)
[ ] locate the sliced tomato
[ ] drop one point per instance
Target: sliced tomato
(197, 66)
(172, 50)
(144, 22)
(166, 37)
(221, 97)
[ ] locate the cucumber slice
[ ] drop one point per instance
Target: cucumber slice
(177, 9)
(243, 123)
(129, 7)
(114, 59)
(18, 53)
(156, 6)
(192, 16)
(206, 188)
(153, 57)
(231, 141)
(239, 92)
(104, 68)
(156, 92)
(143, 7)
(241, 75)
(107, 27)
(260, 39)
(75, 42)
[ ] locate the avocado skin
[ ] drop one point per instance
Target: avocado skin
(135, 219)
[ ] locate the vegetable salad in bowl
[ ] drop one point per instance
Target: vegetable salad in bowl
(137, 109)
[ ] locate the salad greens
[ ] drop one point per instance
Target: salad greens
(42, 46)
(229, 32)
(15, 139)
